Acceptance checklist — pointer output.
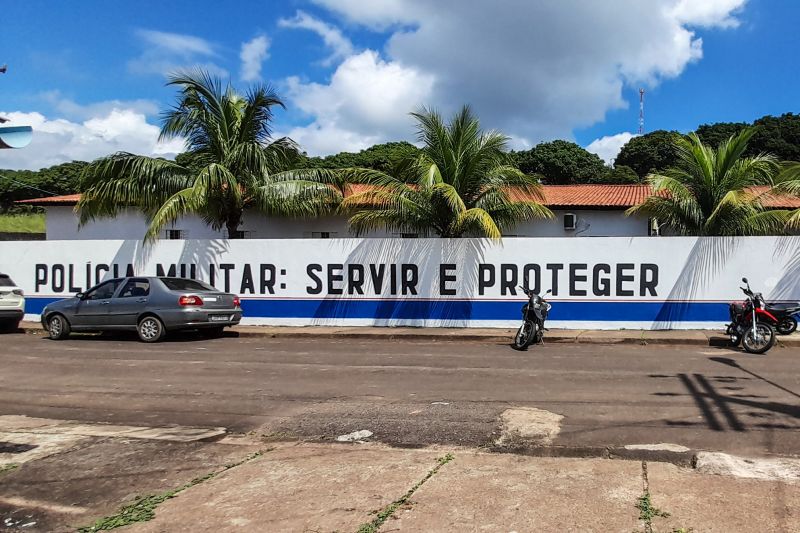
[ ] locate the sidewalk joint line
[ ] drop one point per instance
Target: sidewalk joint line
(143, 508)
(389, 510)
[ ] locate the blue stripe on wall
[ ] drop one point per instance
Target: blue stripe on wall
(468, 310)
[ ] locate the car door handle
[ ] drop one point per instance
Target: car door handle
(142, 300)
(105, 302)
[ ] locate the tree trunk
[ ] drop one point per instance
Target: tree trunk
(232, 225)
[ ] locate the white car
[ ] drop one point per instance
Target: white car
(12, 304)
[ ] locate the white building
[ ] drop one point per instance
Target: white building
(580, 211)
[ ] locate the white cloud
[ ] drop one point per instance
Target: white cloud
(377, 15)
(367, 101)
(58, 140)
(166, 52)
(253, 53)
(331, 35)
(176, 42)
(609, 146)
(73, 110)
(718, 13)
(535, 70)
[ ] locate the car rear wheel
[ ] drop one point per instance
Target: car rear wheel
(58, 327)
(150, 329)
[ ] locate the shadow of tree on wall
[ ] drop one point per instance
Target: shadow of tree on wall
(706, 260)
(203, 253)
(428, 305)
(787, 251)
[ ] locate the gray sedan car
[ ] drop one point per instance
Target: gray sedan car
(151, 306)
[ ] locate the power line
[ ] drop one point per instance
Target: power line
(28, 186)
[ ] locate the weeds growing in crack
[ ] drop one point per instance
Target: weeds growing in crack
(389, 510)
(143, 508)
(648, 511)
(5, 469)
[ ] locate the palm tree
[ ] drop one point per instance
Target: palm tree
(232, 165)
(788, 184)
(715, 191)
(461, 184)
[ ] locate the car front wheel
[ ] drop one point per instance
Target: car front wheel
(58, 327)
(150, 329)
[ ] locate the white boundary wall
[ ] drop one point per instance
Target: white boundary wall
(608, 283)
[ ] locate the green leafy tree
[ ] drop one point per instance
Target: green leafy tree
(23, 184)
(650, 152)
(462, 183)
(719, 132)
(232, 164)
(710, 191)
(619, 175)
(561, 163)
(779, 136)
(378, 157)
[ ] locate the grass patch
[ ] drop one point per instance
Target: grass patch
(389, 510)
(143, 508)
(25, 223)
(5, 469)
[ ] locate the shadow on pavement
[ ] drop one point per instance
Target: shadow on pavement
(722, 411)
(130, 336)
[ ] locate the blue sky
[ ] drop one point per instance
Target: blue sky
(89, 76)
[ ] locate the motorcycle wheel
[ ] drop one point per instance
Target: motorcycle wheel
(787, 325)
(525, 335)
(732, 334)
(760, 343)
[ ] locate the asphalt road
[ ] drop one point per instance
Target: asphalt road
(413, 393)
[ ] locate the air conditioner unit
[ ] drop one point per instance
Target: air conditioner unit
(570, 221)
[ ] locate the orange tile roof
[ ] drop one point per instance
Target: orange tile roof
(555, 196)
(69, 199)
(607, 196)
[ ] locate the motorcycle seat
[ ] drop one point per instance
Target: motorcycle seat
(783, 306)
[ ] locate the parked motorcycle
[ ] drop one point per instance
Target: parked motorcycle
(751, 324)
(534, 314)
(786, 315)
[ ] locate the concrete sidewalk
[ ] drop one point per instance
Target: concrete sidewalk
(367, 488)
(493, 335)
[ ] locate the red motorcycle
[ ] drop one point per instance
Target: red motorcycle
(751, 324)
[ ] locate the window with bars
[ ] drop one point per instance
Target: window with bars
(323, 234)
(176, 234)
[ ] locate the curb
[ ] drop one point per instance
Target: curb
(465, 336)
(686, 459)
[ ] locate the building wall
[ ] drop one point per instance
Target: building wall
(62, 224)
(590, 223)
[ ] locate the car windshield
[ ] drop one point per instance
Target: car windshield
(5, 281)
(183, 284)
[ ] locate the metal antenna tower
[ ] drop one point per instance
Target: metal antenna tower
(641, 111)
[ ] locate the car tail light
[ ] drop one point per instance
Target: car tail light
(236, 301)
(18, 292)
(190, 300)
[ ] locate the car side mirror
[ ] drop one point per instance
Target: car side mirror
(548, 291)
(744, 280)
(80, 295)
